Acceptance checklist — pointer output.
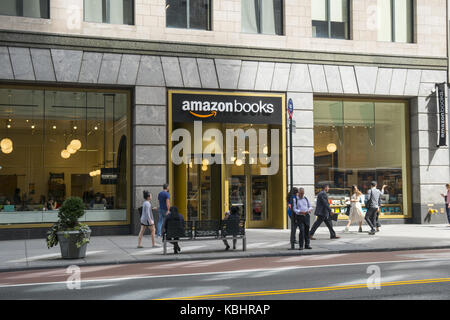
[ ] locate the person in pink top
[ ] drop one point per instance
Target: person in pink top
(447, 201)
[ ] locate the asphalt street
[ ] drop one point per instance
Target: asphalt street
(385, 275)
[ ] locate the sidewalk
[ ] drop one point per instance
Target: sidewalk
(27, 254)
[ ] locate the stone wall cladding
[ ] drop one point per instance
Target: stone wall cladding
(150, 76)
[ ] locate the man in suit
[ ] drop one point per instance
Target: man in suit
(323, 213)
(373, 205)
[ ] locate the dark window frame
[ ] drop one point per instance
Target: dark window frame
(19, 9)
(349, 21)
(106, 16)
(188, 21)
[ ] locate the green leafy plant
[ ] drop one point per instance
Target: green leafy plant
(71, 210)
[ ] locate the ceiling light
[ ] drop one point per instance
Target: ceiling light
(8, 126)
(6, 144)
(7, 151)
(239, 162)
(65, 154)
(331, 148)
(33, 126)
(54, 127)
(76, 144)
(71, 149)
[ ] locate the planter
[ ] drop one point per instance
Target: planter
(68, 244)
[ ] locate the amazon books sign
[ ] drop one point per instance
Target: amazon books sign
(226, 107)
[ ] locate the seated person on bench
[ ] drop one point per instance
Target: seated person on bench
(174, 218)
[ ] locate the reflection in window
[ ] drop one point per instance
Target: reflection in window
(330, 19)
(262, 16)
(395, 20)
(356, 142)
(109, 11)
(62, 144)
(188, 14)
(25, 8)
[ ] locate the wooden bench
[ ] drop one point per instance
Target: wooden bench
(205, 230)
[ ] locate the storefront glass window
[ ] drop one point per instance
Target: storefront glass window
(356, 142)
(56, 144)
(25, 8)
(189, 14)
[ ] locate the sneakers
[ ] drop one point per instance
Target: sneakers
(345, 230)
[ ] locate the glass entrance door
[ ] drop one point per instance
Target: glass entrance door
(250, 194)
(203, 199)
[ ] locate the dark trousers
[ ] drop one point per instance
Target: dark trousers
(293, 229)
(371, 218)
(225, 242)
(302, 222)
(378, 219)
(319, 221)
(447, 209)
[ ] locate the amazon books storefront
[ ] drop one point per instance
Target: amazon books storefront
(79, 122)
(225, 150)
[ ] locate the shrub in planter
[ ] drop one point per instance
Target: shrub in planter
(72, 235)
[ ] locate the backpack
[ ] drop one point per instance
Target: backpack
(290, 209)
(140, 211)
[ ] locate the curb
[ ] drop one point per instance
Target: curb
(217, 256)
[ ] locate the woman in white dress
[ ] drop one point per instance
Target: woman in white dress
(356, 214)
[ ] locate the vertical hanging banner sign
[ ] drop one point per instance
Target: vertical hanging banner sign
(441, 104)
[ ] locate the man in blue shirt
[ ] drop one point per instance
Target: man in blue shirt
(164, 207)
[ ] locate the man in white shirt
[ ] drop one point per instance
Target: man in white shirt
(302, 209)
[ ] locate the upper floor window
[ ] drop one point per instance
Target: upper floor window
(26, 8)
(395, 20)
(330, 19)
(188, 14)
(262, 16)
(109, 11)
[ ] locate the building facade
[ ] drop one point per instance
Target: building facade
(94, 96)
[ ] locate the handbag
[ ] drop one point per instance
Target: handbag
(347, 210)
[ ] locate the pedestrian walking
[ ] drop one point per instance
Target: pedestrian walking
(231, 226)
(147, 220)
(323, 213)
(164, 207)
(447, 202)
(302, 212)
(176, 220)
(291, 199)
(356, 214)
(373, 204)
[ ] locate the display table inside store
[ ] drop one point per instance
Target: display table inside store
(387, 210)
(51, 216)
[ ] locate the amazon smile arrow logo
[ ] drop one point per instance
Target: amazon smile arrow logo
(212, 114)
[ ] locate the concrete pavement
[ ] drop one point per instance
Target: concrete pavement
(31, 254)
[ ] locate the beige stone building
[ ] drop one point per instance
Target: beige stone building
(113, 75)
